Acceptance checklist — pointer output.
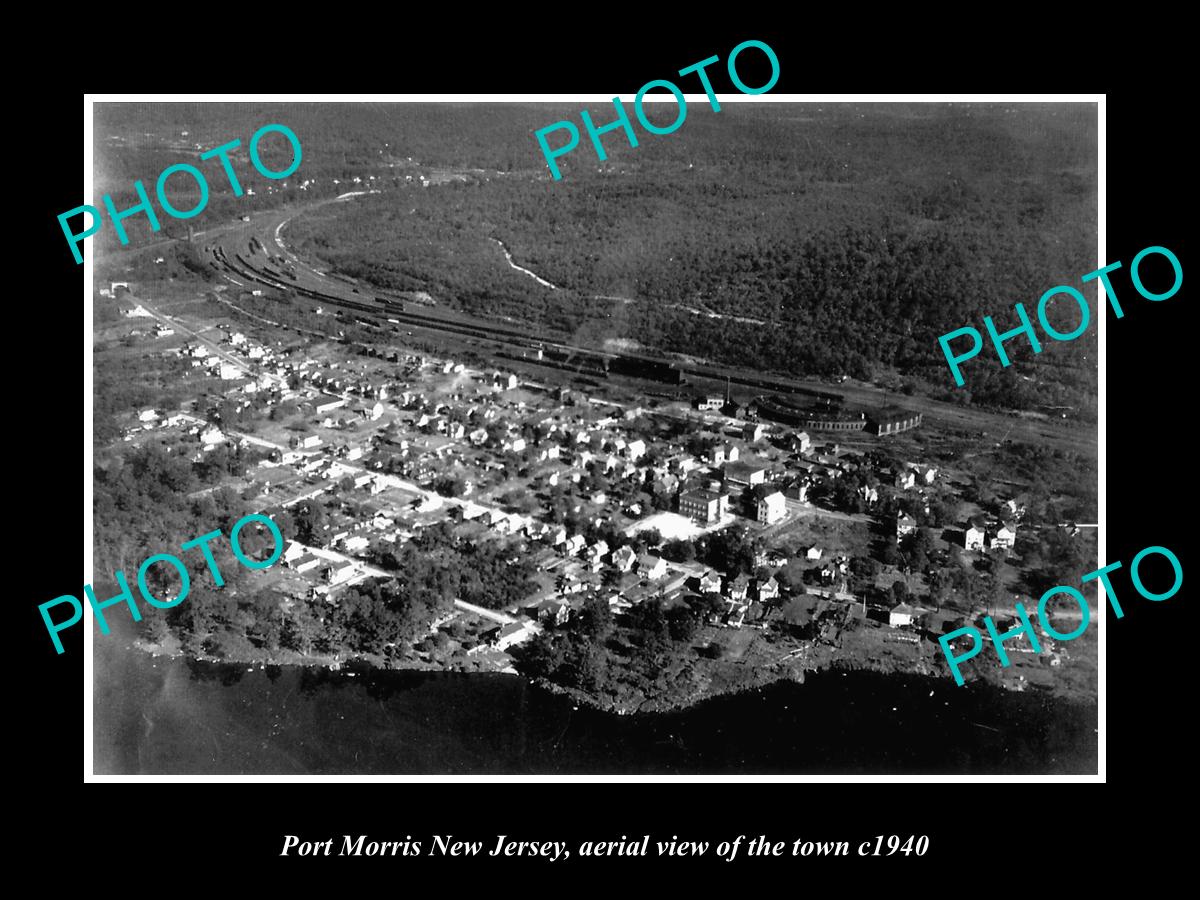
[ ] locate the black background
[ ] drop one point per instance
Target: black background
(981, 834)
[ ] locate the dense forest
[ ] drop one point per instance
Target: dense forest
(813, 239)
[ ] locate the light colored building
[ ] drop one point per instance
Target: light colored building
(514, 633)
(744, 474)
(327, 403)
(211, 436)
(1004, 538)
(624, 558)
(754, 431)
(739, 587)
(771, 508)
(973, 538)
(767, 590)
(651, 566)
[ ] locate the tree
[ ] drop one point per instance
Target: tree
(154, 629)
(449, 486)
(865, 567)
(682, 622)
(652, 537)
(595, 618)
(679, 551)
(915, 549)
(310, 518)
(649, 624)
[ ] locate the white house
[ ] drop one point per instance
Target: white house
(211, 436)
(338, 572)
(973, 538)
(1004, 538)
(771, 508)
(624, 558)
(355, 543)
(651, 566)
(813, 553)
(515, 633)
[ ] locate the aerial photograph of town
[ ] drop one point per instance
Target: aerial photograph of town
(656, 468)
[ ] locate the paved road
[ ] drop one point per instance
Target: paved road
(493, 614)
(212, 345)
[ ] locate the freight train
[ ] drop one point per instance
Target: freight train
(536, 352)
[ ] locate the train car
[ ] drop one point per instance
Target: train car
(645, 368)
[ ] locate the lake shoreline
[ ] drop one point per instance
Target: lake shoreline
(629, 703)
(284, 717)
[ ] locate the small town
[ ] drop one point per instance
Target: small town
(753, 540)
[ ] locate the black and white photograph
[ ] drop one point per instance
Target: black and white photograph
(508, 436)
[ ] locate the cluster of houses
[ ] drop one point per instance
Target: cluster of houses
(396, 421)
(980, 536)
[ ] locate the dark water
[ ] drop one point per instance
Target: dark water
(175, 716)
